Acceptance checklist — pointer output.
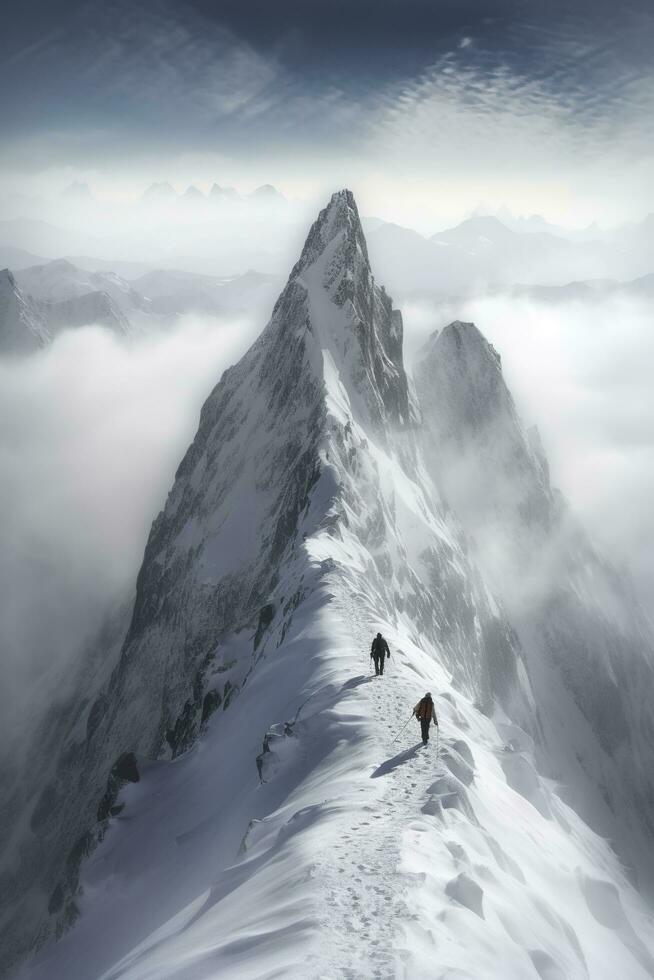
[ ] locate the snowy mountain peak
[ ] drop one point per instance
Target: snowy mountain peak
(464, 339)
(267, 193)
(474, 230)
(217, 191)
(460, 375)
(347, 313)
(192, 194)
(58, 266)
(162, 191)
(338, 222)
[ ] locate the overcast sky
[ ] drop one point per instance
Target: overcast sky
(545, 107)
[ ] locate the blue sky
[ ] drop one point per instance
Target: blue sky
(510, 102)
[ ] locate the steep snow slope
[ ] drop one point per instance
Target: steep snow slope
(589, 647)
(54, 282)
(26, 323)
(381, 862)
(22, 323)
(274, 827)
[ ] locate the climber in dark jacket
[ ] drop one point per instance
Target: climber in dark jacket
(378, 652)
(425, 712)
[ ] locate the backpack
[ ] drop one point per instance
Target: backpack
(425, 707)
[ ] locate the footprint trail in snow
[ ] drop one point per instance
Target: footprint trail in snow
(364, 888)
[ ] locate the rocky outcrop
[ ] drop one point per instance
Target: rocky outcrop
(28, 324)
(23, 324)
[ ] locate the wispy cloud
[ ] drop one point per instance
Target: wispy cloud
(574, 99)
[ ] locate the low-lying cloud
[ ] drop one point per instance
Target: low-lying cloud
(582, 372)
(91, 432)
(93, 428)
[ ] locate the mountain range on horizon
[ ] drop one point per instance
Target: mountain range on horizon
(480, 255)
(225, 790)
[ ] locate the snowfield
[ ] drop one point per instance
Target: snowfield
(287, 821)
(361, 856)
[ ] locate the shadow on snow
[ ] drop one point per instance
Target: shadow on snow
(397, 760)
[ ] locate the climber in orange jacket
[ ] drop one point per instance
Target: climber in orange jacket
(425, 712)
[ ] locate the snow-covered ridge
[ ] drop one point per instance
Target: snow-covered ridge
(28, 323)
(588, 644)
(61, 280)
(254, 815)
(22, 323)
(59, 294)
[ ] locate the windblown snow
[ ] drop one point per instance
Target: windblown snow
(232, 794)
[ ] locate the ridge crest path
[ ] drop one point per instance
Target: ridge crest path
(363, 885)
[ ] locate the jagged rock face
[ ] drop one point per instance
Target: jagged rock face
(579, 622)
(23, 326)
(336, 251)
(28, 323)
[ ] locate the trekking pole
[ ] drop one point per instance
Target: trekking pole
(402, 728)
(438, 742)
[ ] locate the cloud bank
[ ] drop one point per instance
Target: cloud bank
(582, 372)
(91, 432)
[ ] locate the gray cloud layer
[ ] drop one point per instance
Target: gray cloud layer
(582, 372)
(91, 432)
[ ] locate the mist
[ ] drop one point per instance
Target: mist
(93, 428)
(91, 432)
(582, 373)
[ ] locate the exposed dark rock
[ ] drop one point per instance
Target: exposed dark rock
(97, 712)
(56, 902)
(268, 758)
(46, 804)
(210, 703)
(266, 616)
(183, 735)
(124, 770)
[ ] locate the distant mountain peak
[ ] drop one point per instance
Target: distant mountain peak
(193, 193)
(59, 265)
(267, 192)
(465, 337)
(223, 192)
(159, 192)
(463, 368)
(472, 231)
